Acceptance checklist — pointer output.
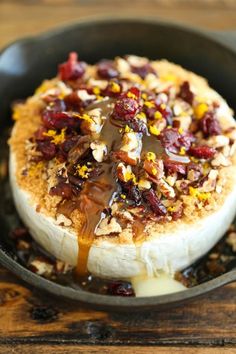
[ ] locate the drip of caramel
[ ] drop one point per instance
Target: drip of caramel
(99, 192)
(93, 200)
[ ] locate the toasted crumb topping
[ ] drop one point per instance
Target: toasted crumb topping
(127, 136)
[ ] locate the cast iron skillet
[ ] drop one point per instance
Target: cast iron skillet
(25, 63)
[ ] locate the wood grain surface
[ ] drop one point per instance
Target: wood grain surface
(23, 18)
(27, 349)
(34, 322)
(30, 317)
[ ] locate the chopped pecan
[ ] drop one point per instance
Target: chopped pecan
(92, 121)
(124, 173)
(41, 267)
(182, 185)
(209, 183)
(154, 168)
(218, 141)
(165, 189)
(171, 179)
(108, 226)
(144, 184)
(220, 160)
(132, 145)
(182, 122)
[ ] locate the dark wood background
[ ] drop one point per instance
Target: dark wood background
(33, 322)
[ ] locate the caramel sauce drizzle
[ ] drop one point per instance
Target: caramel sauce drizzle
(93, 200)
(99, 192)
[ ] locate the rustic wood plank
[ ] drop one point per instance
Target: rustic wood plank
(30, 316)
(36, 17)
(69, 349)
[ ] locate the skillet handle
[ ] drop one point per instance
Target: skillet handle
(225, 37)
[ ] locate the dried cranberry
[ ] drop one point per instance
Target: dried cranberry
(209, 124)
(138, 126)
(74, 103)
(172, 140)
(132, 192)
(40, 134)
(113, 89)
(135, 91)
(185, 92)
(154, 202)
(150, 112)
(19, 232)
(59, 120)
(62, 189)
(174, 167)
(72, 69)
(106, 69)
(142, 71)
(202, 152)
(47, 149)
(126, 109)
(186, 140)
(120, 288)
(165, 111)
(69, 143)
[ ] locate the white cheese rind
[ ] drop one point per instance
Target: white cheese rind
(167, 252)
(57, 240)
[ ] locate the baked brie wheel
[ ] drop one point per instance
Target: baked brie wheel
(125, 169)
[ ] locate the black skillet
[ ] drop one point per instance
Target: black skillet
(25, 63)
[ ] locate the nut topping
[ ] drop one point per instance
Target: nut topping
(123, 142)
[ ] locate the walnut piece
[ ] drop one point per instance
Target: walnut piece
(220, 160)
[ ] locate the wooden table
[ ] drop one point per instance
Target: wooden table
(33, 322)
